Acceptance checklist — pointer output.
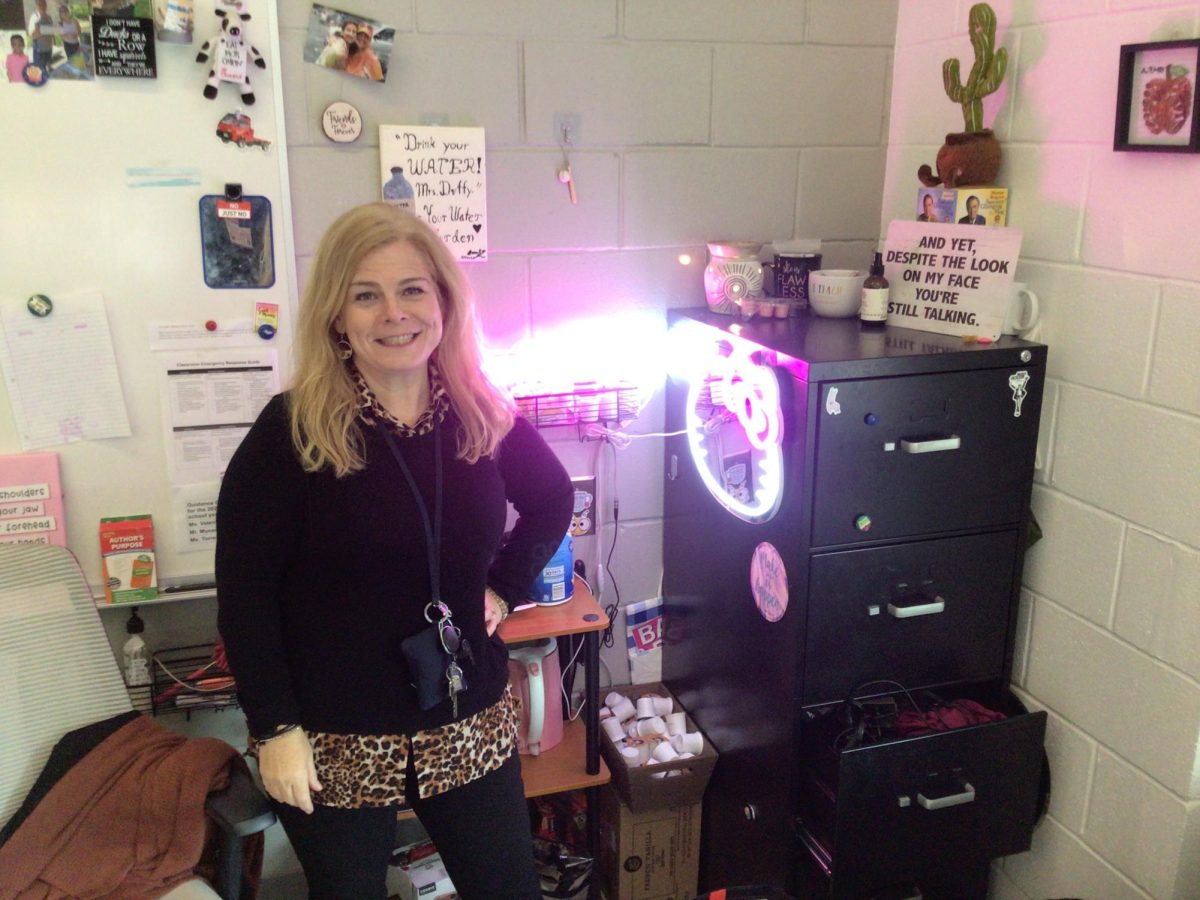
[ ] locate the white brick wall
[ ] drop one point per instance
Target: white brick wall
(1075, 564)
(1175, 368)
(1110, 620)
(1137, 825)
(1155, 610)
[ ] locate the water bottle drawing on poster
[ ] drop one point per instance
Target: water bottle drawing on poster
(437, 173)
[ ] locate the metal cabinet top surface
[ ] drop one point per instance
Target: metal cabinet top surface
(820, 349)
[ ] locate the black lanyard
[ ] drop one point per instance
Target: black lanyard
(433, 533)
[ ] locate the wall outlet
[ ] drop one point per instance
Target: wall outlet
(566, 129)
(583, 516)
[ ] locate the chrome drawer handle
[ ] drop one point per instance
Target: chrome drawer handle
(936, 445)
(967, 796)
(936, 605)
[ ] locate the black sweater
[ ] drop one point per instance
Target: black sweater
(320, 578)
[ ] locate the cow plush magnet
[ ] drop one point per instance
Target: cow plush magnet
(231, 56)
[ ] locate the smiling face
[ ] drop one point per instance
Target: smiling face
(972, 207)
(392, 316)
(349, 32)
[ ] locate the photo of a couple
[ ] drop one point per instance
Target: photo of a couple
(349, 43)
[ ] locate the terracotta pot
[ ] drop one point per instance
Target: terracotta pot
(966, 158)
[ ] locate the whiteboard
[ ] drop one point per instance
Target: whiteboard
(84, 211)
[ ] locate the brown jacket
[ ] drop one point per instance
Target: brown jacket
(127, 821)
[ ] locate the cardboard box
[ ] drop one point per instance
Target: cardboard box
(424, 879)
(652, 855)
(950, 205)
(679, 782)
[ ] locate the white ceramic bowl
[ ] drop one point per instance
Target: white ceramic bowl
(835, 293)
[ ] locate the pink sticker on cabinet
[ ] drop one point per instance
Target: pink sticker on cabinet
(768, 582)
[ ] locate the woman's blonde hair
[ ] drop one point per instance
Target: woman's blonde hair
(323, 404)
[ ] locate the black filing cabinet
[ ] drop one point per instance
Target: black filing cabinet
(845, 517)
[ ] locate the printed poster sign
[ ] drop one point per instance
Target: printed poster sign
(438, 173)
(952, 279)
(124, 46)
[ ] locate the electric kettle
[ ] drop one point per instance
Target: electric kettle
(533, 672)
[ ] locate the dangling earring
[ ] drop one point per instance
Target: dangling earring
(345, 351)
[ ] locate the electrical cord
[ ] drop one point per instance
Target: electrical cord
(622, 439)
(562, 682)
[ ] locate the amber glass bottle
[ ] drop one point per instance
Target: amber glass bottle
(874, 308)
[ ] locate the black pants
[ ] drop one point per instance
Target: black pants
(481, 830)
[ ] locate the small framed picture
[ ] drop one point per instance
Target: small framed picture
(1158, 108)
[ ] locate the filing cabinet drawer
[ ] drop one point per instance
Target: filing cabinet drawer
(921, 613)
(916, 808)
(924, 453)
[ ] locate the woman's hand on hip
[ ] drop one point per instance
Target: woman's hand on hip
(288, 773)
(493, 614)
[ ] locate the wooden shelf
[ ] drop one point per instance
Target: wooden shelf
(562, 768)
(578, 615)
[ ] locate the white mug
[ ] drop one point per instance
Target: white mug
(1022, 312)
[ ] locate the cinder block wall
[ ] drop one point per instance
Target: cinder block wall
(698, 120)
(1110, 624)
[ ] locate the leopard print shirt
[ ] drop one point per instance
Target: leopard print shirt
(370, 410)
(357, 770)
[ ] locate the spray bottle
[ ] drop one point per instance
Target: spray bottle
(136, 663)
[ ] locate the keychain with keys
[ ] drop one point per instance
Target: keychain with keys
(455, 684)
(453, 643)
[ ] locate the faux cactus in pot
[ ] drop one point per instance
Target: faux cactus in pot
(986, 74)
(973, 155)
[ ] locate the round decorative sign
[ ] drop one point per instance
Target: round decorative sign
(341, 122)
(768, 582)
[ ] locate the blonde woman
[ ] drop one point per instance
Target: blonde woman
(371, 491)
